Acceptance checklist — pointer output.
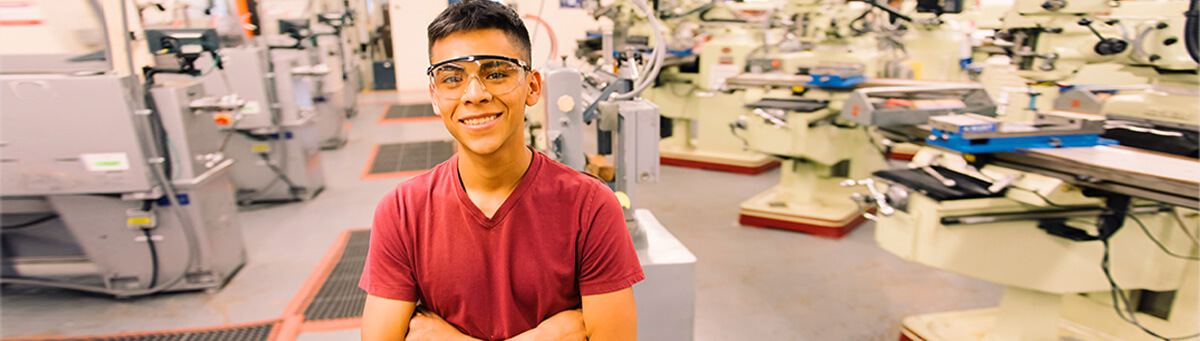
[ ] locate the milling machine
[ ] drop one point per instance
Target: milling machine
(1093, 242)
(795, 118)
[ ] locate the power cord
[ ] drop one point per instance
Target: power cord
(153, 258)
(1051, 203)
(1119, 297)
(1182, 226)
(292, 188)
(1159, 243)
(147, 206)
(30, 223)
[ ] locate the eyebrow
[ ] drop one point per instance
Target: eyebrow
(491, 64)
(450, 67)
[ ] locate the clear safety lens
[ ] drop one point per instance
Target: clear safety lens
(497, 76)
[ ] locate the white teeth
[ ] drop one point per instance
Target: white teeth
(481, 120)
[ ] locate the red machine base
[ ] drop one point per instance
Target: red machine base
(835, 232)
(720, 167)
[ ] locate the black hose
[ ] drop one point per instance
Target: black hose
(704, 17)
(1191, 30)
(31, 222)
(704, 7)
(895, 14)
(158, 130)
(153, 258)
(148, 205)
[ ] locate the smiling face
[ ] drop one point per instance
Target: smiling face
(481, 121)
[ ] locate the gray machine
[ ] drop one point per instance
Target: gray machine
(344, 82)
(274, 135)
(319, 77)
(666, 299)
(113, 185)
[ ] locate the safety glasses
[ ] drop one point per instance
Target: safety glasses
(498, 75)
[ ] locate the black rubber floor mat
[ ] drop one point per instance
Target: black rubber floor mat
(399, 111)
(411, 156)
(247, 332)
(340, 297)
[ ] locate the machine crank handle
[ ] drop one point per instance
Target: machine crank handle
(932, 172)
(861, 199)
(880, 200)
(775, 120)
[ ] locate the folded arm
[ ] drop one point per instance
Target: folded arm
(610, 316)
(384, 319)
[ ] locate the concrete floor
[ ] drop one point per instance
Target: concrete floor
(751, 284)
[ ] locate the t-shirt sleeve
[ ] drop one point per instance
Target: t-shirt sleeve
(388, 272)
(608, 261)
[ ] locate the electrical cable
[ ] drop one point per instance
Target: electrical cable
(865, 26)
(31, 223)
(1159, 243)
(253, 196)
(703, 7)
(147, 206)
(704, 17)
(153, 257)
(1051, 203)
(886, 8)
(1119, 297)
(1182, 226)
(871, 140)
(292, 188)
(1191, 30)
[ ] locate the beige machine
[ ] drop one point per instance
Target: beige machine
(689, 93)
(795, 118)
(1093, 243)
(1057, 287)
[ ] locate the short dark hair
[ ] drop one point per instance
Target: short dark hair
(470, 15)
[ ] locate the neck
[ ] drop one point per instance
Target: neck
(497, 172)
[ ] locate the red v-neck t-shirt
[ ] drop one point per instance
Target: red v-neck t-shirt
(559, 235)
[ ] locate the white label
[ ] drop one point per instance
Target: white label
(251, 107)
(105, 162)
(719, 72)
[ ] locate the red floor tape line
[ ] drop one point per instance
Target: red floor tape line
(293, 315)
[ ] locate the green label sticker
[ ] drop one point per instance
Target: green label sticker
(251, 107)
(105, 162)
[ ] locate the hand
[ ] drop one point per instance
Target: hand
(429, 326)
(566, 325)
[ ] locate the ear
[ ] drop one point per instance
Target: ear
(535, 88)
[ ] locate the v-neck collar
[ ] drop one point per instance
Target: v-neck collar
(469, 206)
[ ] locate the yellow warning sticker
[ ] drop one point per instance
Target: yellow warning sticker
(139, 221)
(260, 148)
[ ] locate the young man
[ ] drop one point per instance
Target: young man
(499, 242)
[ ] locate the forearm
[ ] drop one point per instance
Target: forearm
(565, 325)
(427, 325)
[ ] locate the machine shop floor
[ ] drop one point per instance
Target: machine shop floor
(751, 283)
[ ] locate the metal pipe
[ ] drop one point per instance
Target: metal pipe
(1026, 216)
